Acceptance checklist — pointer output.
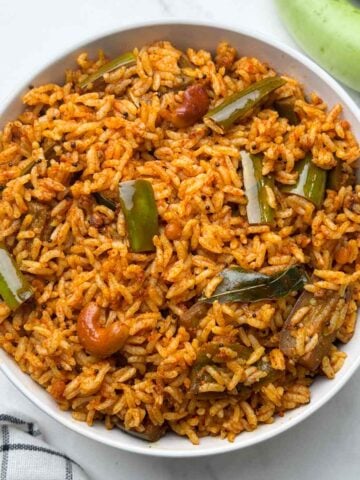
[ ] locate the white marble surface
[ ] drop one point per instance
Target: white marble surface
(325, 446)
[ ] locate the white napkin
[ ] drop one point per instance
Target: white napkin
(24, 455)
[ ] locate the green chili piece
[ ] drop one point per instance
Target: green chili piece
(238, 105)
(285, 109)
(258, 209)
(141, 216)
(310, 183)
(14, 288)
(124, 60)
(240, 285)
(334, 177)
(102, 200)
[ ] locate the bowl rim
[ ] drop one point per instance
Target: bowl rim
(223, 446)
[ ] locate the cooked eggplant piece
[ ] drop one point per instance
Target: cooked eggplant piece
(106, 201)
(285, 109)
(212, 354)
(240, 104)
(139, 207)
(151, 433)
(271, 377)
(192, 317)
(14, 287)
(41, 222)
(334, 177)
(322, 316)
(311, 182)
(258, 209)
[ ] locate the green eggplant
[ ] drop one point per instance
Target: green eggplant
(14, 288)
(311, 182)
(103, 200)
(210, 354)
(335, 177)
(193, 316)
(258, 210)
(240, 104)
(285, 109)
(319, 315)
(329, 31)
(151, 433)
(141, 215)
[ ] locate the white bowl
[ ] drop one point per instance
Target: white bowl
(284, 60)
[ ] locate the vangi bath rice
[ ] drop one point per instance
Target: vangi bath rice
(183, 364)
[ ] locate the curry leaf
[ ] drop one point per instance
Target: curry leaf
(239, 285)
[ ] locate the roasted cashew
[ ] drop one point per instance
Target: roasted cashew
(194, 106)
(97, 340)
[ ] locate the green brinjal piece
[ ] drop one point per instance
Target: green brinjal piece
(272, 375)
(285, 109)
(240, 104)
(329, 32)
(334, 177)
(184, 62)
(210, 354)
(193, 316)
(141, 216)
(14, 288)
(243, 286)
(41, 220)
(124, 60)
(102, 200)
(258, 209)
(320, 313)
(311, 182)
(151, 432)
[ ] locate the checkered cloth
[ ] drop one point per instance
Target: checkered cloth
(25, 456)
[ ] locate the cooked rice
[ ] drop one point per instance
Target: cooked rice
(87, 142)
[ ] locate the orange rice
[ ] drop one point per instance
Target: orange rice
(87, 141)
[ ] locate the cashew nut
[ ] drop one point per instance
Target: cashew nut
(97, 340)
(194, 106)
